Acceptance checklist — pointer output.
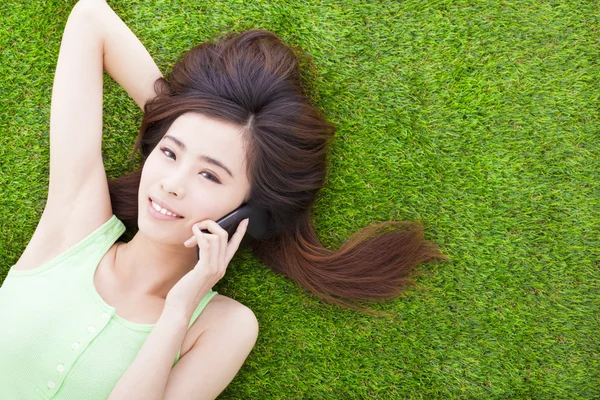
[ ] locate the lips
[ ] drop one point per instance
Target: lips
(164, 205)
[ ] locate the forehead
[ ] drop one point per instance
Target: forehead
(210, 137)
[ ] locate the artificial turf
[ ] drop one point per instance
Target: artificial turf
(478, 118)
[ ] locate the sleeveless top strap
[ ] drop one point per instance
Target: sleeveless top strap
(207, 297)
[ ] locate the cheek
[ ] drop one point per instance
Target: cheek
(208, 206)
(213, 204)
(151, 171)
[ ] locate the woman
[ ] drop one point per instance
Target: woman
(230, 125)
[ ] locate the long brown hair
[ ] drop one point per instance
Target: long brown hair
(253, 80)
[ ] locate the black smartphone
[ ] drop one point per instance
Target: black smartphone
(259, 227)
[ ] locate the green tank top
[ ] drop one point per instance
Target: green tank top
(58, 338)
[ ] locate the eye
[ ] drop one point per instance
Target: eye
(165, 149)
(210, 176)
(206, 174)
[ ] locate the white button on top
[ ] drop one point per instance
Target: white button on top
(60, 368)
(91, 329)
(106, 315)
(75, 346)
(51, 384)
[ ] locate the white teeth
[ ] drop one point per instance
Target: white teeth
(163, 211)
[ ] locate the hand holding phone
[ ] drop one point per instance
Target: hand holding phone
(214, 254)
(259, 227)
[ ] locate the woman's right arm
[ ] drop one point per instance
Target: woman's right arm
(126, 59)
(94, 39)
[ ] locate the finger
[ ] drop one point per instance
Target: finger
(204, 248)
(209, 225)
(236, 239)
(215, 244)
(191, 241)
(213, 228)
(223, 235)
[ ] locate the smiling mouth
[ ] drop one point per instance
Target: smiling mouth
(152, 202)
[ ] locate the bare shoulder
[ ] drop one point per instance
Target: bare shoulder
(223, 315)
(223, 311)
(226, 333)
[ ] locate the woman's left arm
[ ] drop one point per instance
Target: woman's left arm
(203, 372)
(216, 356)
(219, 351)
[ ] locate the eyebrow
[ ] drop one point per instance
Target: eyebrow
(201, 157)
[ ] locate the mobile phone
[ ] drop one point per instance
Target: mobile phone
(259, 227)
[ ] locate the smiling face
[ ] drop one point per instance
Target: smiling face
(198, 171)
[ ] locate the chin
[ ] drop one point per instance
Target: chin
(161, 234)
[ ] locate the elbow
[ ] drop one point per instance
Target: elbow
(247, 326)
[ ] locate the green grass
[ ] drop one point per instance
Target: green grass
(478, 118)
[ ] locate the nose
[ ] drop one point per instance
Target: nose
(174, 183)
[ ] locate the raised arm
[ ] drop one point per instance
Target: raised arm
(94, 39)
(126, 59)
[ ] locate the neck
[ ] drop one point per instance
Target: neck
(148, 268)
